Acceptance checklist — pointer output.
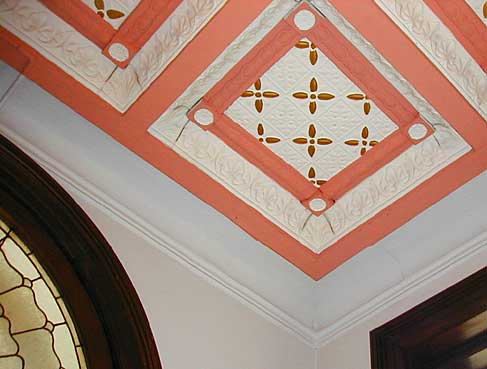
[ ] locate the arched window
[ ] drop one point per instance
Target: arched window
(36, 327)
(65, 300)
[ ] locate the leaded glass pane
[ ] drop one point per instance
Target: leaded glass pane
(36, 329)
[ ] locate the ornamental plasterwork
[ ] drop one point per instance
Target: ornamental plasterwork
(311, 114)
(480, 8)
(259, 191)
(57, 41)
(60, 43)
(419, 22)
(255, 188)
(36, 329)
(126, 85)
(115, 12)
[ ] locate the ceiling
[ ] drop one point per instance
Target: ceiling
(310, 130)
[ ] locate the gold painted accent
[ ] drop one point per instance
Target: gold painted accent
(259, 95)
(268, 139)
(364, 142)
(313, 95)
(313, 53)
(485, 10)
(311, 140)
(312, 177)
(111, 13)
(364, 97)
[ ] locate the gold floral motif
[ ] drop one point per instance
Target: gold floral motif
(111, 13)
(359, 97)
(313, 53)
(259, 95)
(266, 139)
(311, 140)
(313, 95)
(312, 178)
(364, 142)
(485, 9)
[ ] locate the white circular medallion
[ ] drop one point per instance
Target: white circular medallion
(204, 117)
(304, 20)
(317, 204)
(118, 52)
(417, 131)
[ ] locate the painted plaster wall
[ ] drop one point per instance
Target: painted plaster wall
(352, 349)
(195, 324)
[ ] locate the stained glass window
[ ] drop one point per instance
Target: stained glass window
(36, 329)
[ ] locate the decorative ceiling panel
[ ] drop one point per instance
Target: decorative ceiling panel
(79, 55)
(223, 155)
(317, 126)
(437, 41)
(311, 114)
(113, 11)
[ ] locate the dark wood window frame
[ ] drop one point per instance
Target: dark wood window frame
(441, 333)
(109, 316)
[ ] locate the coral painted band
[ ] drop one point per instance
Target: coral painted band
(467, 27)
(134, 32)
(372, 23)
(353, 64)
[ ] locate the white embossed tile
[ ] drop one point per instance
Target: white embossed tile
(115, 12)
(319, 120)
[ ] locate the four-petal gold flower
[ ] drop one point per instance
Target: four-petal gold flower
(359, 97)
(312, 177)
(263, 138)
(313, 53)
(313, 95)
(311, 140)
(111, 13)
(364, 142)
(259, 95)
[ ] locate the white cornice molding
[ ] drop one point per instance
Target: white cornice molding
(434, 38)
(256, 303)
(162, 241)
(464, 252)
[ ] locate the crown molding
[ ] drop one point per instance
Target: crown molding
(174, 249)
(313, 338)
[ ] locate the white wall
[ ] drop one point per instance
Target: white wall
(352, 349)
(199, 326)
(196, 325)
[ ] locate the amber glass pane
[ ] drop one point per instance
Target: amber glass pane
(36, 329)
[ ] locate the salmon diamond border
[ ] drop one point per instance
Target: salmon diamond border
(156, 128)
(352, 63)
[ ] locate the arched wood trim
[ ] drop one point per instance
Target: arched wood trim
(109, 316)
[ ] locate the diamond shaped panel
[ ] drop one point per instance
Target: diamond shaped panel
(311, 114)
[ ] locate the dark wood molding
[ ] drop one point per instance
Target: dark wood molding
(110, 318)
(448, 328)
